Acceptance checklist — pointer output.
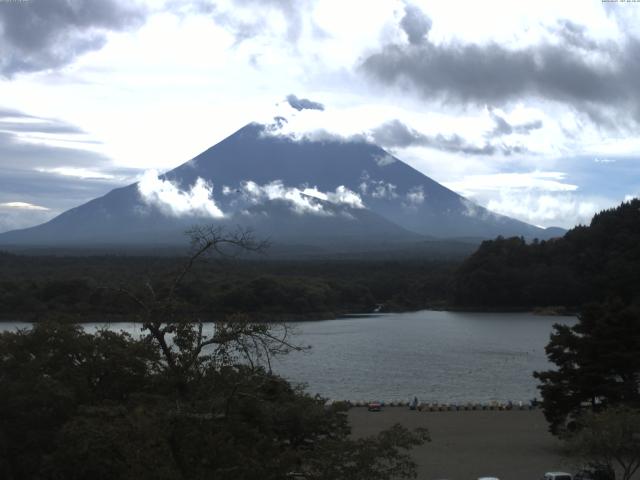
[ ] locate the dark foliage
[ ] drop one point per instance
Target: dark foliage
(76, 406)
(34, 288)
(607, 441)
(598, 363)
(588, 264)
(47, 373)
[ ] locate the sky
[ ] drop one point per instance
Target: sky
(531, 109)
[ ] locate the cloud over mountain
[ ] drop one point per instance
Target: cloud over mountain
(395, 134)
(301, 200)
(170, 199)
(303, 103)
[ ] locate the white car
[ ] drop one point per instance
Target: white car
(557, 476)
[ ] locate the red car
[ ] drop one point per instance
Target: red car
(374, 406)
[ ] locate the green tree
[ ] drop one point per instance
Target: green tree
(48, 373)
(610, 437)
(598, 362)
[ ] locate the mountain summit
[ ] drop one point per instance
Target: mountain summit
(310, 191)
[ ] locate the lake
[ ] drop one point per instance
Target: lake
(449, 357)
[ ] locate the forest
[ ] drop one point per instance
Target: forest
(589, 264)
(38, 287)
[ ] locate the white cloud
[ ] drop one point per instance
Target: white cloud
(415, 196)
(384, 160)
(300, 203)
(342, 195)
(22, 206)
(345, 196)
(473, 210)
(545, 209)
(543, 198)
(547, 181)
(78, 173)
(301, 200)
(376, 188)
(165, 195)
(14, 215)
(381, 189)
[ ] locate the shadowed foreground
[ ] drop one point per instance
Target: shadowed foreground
(512, 445)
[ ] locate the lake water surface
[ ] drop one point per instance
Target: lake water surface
(437, 356)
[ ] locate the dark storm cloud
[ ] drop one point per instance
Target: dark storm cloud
(598, 79)
(415, 24)
(46, 34)
(303, 103)
(395, 134)
(502, 127)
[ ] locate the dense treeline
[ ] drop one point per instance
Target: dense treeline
(590, 263)
(35, 287)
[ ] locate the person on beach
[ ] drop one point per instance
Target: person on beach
(414, 404)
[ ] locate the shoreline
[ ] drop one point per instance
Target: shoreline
(497, 406)
(295, 317)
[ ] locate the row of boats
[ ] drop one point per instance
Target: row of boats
(442, 407)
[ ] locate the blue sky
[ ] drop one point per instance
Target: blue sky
(529, 108)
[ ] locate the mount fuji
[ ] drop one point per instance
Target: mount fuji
(310, 190)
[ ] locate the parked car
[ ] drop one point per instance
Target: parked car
(374, 406)
(557, 476)
(595, 472)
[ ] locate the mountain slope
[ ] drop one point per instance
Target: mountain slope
(387, 185)
(293, 191)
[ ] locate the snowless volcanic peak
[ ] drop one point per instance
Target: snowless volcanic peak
(293, 189)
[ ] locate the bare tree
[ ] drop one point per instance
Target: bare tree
(187, 348)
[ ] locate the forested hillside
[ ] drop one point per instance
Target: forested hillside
(590, 263)
(89, 288)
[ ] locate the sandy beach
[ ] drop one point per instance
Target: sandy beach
(465, 445)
